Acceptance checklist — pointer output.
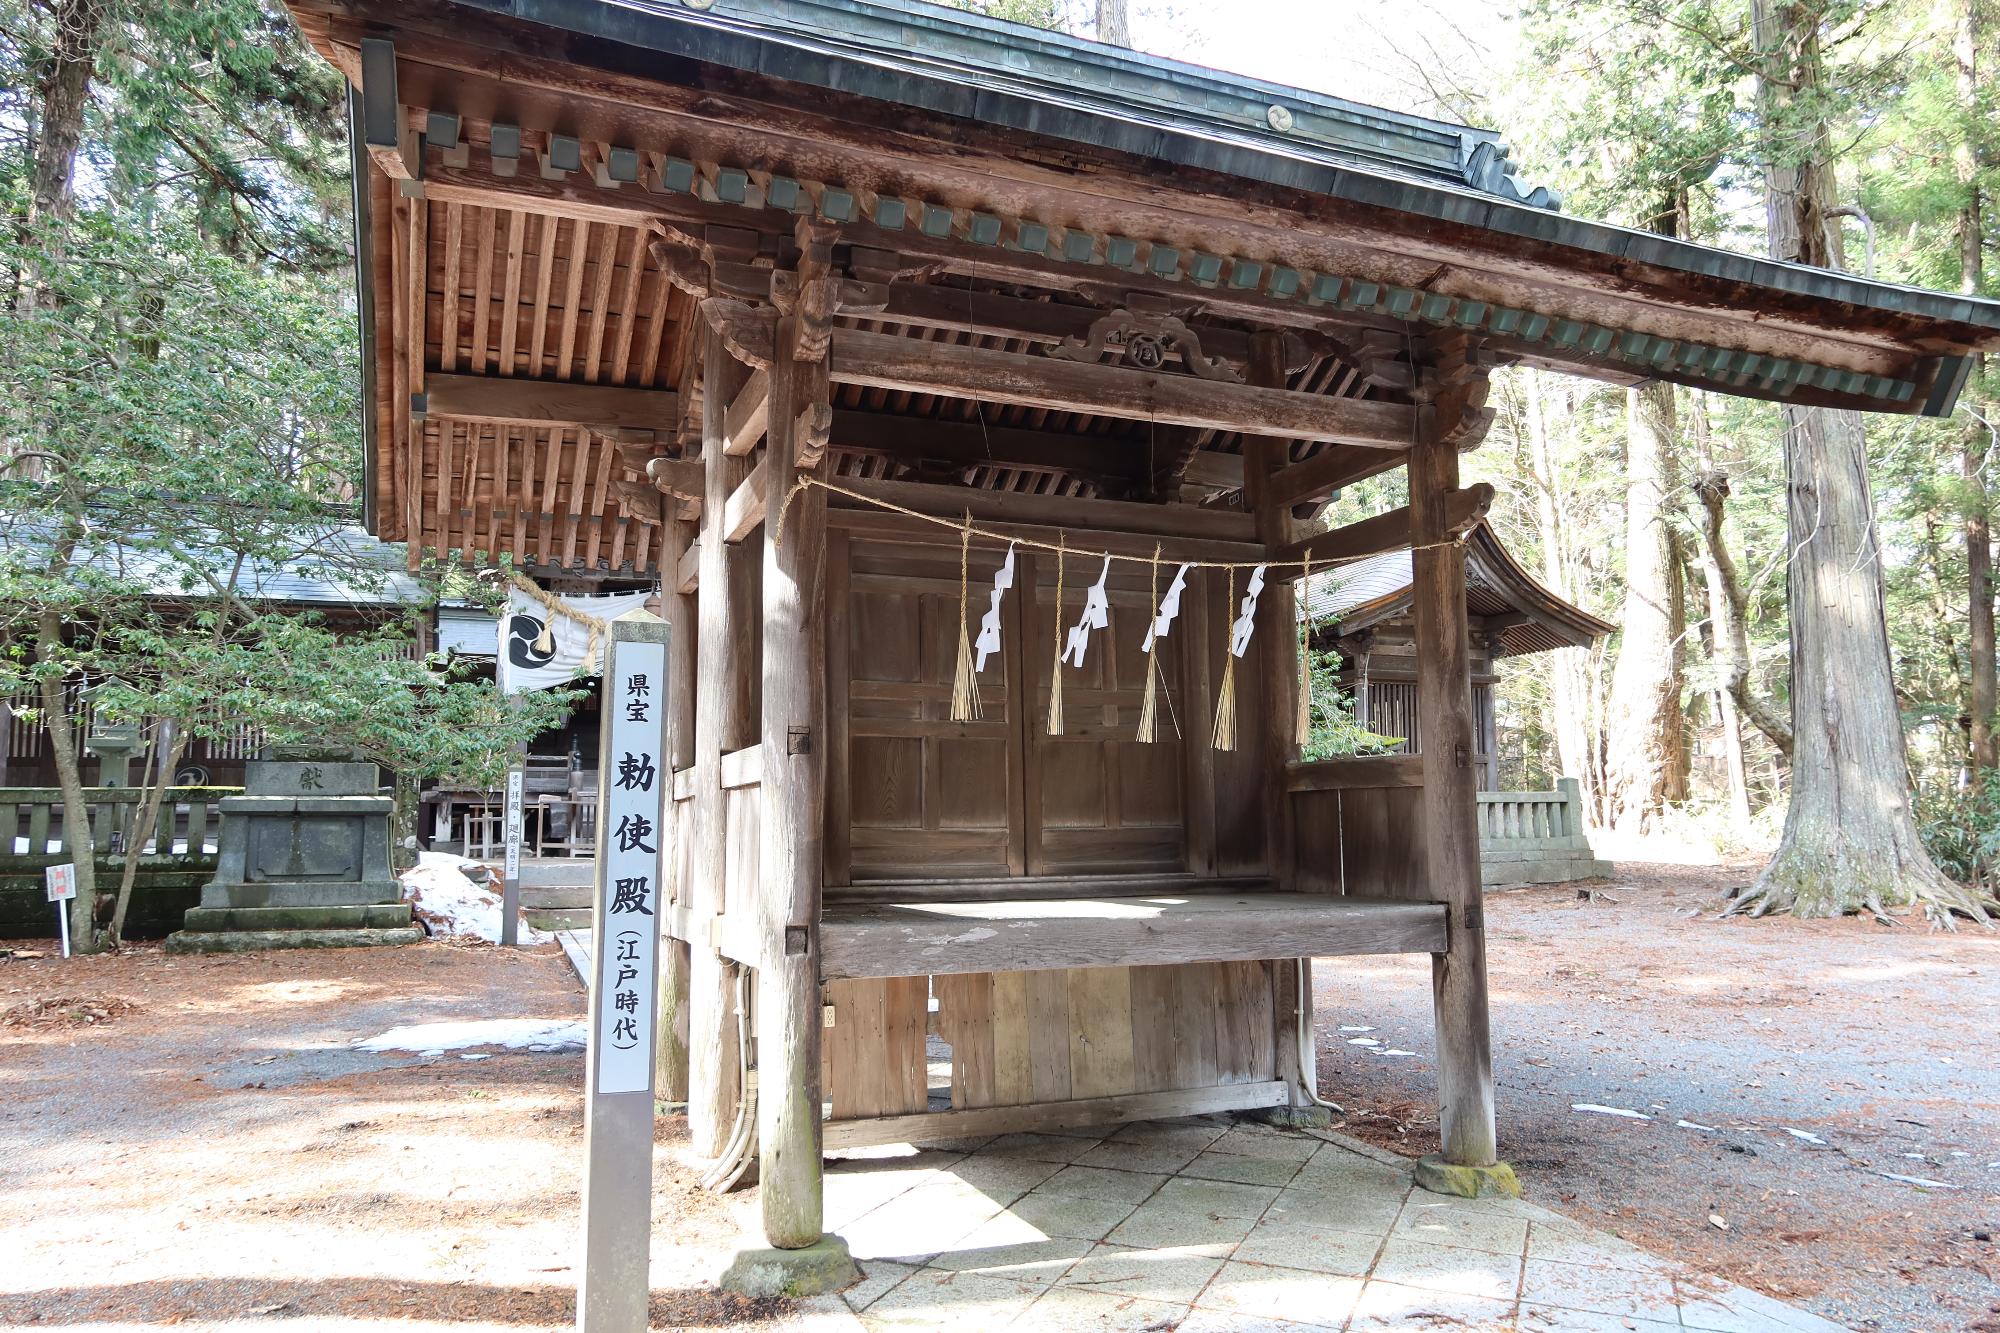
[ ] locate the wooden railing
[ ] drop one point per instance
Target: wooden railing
(1535, 837)
(32, 833)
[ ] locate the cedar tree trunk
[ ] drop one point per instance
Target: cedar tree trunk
(1850, 842)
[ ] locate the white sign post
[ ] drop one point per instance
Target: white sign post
(633, 778)
(62, 888)
(510, 875)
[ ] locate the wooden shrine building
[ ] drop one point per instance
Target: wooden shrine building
(1365, 611)
(771, 299)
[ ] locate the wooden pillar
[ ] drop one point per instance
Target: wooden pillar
(1451, 828)
(1488, 721)
(1277, 644)
(794, 808)
(714, 1076)
(676, 958)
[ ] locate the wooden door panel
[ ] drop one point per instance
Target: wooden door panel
(927, 797)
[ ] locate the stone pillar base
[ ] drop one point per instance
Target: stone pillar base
(1291, 1117)
(813, 1271)
(1467, 1182)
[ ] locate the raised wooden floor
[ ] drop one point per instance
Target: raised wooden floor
(931, 932)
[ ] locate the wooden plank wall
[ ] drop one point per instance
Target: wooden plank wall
(913, 795)
(873, 1056)
(1021, 1038)
(1361, 839)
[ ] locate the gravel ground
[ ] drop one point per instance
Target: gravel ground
(1879, 1042)
(220, 1155)
(195, 1141)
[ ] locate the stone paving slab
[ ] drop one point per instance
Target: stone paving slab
(1204, 1225)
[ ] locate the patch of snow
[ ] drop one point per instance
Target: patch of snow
(1805, 1136)
(1356, 1027)
(1594, 1109)
(477, 1055)
(439, 889)
(1918, 1180)
(1362, 1041)
(1390, 1050)
(534, 1034)
(1689, 1124)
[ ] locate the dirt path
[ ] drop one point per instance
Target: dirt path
(1879, 1042)
(221, 1154)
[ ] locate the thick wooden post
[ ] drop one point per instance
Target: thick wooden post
(1276, 647)
(714, 1076)
(792, 817)
(1451, 817)
(676, 957)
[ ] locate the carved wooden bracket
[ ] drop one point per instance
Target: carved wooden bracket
(1144, 338)
(1453, 387)
(715, 263)
(681, 260)
(640, 502)
(682, 478)
(813, 431)
(811, 293)
(746, 331)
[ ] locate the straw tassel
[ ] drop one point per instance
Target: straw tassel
(1303, 727)
(1055, 724)
(1225, 700)
(1149, 709)
(965, 681)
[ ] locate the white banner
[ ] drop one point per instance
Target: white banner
(632, 776)
(526, 663)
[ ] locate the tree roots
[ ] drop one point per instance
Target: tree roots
(1818, 885)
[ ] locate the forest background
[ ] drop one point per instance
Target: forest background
(1665, 511)
(179, 324)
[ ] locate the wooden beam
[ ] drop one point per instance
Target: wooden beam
(743, 768)
(875, 525)
(955, 309)
(1384, 532)
(1118, 461)
(744, 513)
(687, 573)
(682, 478)
(904, 365)
(1049, 1117)
(1060, 511)
(793, 704)
(676, 959)
(1356, 773)
(914, 939)
(1215, 470)
(1329, 470)
(1450, 794)
(715, 1084)
(749, 415)
(1274, 728)
(524, 402)
(603, 409)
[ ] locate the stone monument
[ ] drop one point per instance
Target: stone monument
(303, 863)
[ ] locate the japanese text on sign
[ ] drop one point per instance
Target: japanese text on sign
(61, 881)
(516, 787)
(629, 867)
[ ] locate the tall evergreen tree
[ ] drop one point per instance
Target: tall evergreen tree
(1850, 841)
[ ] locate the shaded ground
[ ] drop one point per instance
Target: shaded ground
(1879, 1042)
(221, 1154)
